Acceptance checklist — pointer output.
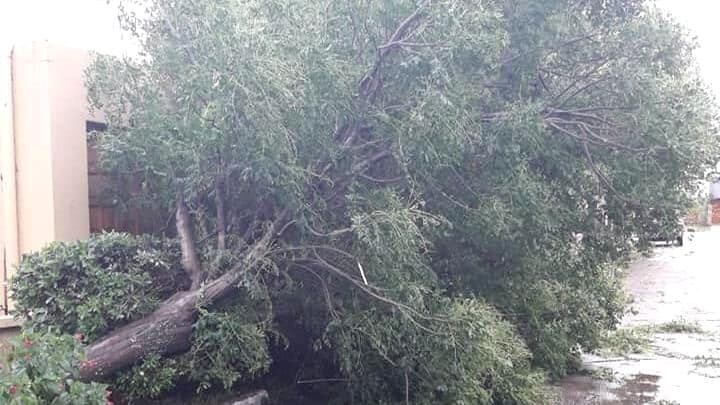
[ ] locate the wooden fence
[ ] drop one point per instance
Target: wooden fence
(106, 211)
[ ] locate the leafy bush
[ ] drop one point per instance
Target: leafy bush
(471, 357)
(41, 369)
(89, 287)
(92, 286)
(149, 379)
(227, 346)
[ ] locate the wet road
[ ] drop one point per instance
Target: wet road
(675, 284)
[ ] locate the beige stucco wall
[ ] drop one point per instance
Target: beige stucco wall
(47, 111)
(8, 209)
(33, 147)
(68, 114)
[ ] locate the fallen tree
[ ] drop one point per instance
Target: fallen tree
(167, 329)
(362, 168)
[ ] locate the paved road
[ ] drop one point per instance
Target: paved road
(676, 283)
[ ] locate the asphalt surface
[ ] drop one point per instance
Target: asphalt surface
(675, 284)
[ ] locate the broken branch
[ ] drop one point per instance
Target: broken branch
(190, 260)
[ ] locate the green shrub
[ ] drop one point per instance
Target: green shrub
(41, 369)
(92, 286)
(471, 356)
(227, 347)
(149, 379)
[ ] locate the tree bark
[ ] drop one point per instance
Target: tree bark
(165, 331)
(168, 329)
(190, 260)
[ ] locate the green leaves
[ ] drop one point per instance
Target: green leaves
(416, 154)
(41, 369)
(227, 347)
(151, 378)
(466, 355)
(92, 286)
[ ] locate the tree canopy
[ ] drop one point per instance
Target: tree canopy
(427, 201)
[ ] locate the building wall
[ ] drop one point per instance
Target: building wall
(33, 146)
(43, 151)
(8, 209)
(715, 212)
(68, 114)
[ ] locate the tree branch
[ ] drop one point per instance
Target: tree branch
(331, 234)
(190, 261)
(601, 176)
(370, 84)
(382, 181)
(572, 85)
(362, 165)
(410, 312)
(590, 136)
(168, 329)
(220, 207)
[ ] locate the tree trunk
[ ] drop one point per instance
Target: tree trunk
(165, 331)
(168, 329)
(190, 260)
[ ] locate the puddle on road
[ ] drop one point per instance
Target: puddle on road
(679, 368)
(638, 389)
(673, 377)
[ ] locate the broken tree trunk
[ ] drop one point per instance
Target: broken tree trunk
(165, 331)
(168, 329)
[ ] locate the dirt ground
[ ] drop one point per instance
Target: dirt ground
(676, 285)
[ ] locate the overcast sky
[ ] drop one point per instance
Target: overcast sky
(701, 18)
(91, 24)
(87, 24)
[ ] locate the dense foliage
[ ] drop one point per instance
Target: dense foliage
(92, 286)
(86, 288)
(436, 195)
(40, 369)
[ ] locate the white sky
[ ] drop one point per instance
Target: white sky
(700, 17)
(91, 24)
